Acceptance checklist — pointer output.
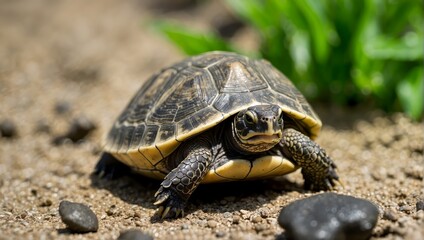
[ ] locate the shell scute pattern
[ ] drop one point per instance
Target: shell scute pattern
(150, 135)
(137, 136)
(195, 95)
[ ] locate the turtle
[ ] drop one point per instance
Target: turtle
(216, 117)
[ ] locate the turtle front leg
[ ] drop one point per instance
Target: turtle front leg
(180, 183)
(318, 170)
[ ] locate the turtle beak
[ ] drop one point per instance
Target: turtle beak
(261, 138)
(270, 131)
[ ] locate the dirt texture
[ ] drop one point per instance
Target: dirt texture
(64, 60)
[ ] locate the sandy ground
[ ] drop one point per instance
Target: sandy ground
(92, 56)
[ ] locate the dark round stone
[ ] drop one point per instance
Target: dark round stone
(134, 234)
(78, 217)
(420, 205)
(62, 107)
(78, 130)
(329, 216)
(8, 129)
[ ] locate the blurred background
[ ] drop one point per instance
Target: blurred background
(338, 51)
(68, 67)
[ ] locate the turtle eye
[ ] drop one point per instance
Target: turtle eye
(250, 118)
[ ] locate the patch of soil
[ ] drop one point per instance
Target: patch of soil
(94, 55)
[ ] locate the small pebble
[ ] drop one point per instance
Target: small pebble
(420, 205)
(220, 234)
(34, 192)
(406, 209)
(79, 129)
(390, 215)
(46, 203)
(134, 234)
(8, 129)
(264, 213)
(62, 107)
(202, 223)
(212, 223)
(78, 217)
(227, 215)
(112, 210)
(256, 219)
(137, 214)
(329, 216)
(260, 227)
(236, 219)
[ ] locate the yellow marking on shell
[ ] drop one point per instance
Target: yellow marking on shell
(233, 170)
(123, 158)
(134, 159)
(152, 154)
(269, 166)
(314, 124)
(240, 169)
(146, 158)
(168, 147)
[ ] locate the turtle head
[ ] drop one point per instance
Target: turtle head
(258, 128)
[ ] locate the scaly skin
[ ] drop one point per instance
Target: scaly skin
(318, 169)
(180, 183)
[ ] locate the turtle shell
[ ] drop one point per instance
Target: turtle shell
(193, 96)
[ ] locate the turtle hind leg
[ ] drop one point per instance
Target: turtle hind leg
(318, 169)
(181, 182)
(110, 168)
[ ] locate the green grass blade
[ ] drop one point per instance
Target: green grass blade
(411, 93)
(317, 27)
(191, 42)
(409, 48)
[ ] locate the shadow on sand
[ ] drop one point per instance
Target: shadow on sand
(217, 198)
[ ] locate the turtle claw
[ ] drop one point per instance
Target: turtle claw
(101, 173)
(160, 198)
(165, 212)
(339, 182)
(170, 204)
(178, 212)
